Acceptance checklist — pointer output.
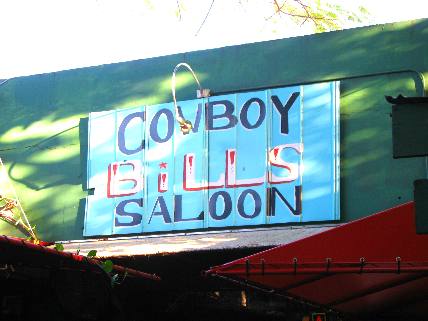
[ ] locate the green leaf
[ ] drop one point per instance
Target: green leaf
(107, 266)
(331, 15)
(364, 10)
(91, 254)
(59, 247)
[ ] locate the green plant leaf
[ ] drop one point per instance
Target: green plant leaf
(91, 254)
(59, 247)
(107, 266)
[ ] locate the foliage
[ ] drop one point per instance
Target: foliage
(91, 254)
(319, 15)
(59, 247)
(106, 266)
(322, 15)
(11, 210)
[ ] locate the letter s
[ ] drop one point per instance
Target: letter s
(276, 160)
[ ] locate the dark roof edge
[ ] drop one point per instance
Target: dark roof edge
(400, 100)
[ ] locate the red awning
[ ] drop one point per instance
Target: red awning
(375, 264)
(16, 251)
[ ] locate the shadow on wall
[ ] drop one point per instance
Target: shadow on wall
(53, 175)
(43, 138)
(371, 180)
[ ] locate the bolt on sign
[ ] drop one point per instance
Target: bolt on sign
(254, 158)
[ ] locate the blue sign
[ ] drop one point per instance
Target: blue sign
(255, 158)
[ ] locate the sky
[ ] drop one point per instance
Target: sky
(51, 35)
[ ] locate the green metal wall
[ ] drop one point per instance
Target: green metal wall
(43, 117)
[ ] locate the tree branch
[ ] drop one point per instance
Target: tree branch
(205, 19)
(179, 10)
(306, 15)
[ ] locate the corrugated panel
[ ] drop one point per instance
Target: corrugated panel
(264, 157)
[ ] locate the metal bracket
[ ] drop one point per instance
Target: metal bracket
(186, 125)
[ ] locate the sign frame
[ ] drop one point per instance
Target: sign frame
(216, 131)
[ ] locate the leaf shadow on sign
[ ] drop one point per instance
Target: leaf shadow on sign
(43, 148)
(44, 137)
